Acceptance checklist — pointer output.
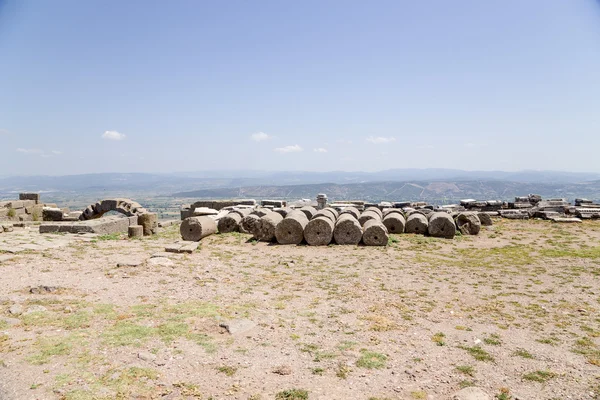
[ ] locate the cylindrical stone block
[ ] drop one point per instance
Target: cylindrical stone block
(369, 214)
(242, 212)
(347, 230)
(416, 223)
(260, 212)
(394, 222)
(421, 211)
(135, 231)
(291, 229)
(195, 228)
(265, 228)
(352, 211)
(229, 223)
(468, 223)
(249, 223)
(375, 233)
(485, 219)
(375, 209)
(309, 211)
(283, 211)
(150, 223)
(319, 231)
(389, 211)
(327, 213)
(441, 225)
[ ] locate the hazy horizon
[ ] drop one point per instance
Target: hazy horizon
(100, 87)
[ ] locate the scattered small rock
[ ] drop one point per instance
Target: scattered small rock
(34, 309)
(238, 326)
(16, 309)
(283, 370)
(146, 356)
(124, 264)
(161, 262)
(471, 393)
(43, 289)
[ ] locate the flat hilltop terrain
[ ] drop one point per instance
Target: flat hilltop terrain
(513, 311)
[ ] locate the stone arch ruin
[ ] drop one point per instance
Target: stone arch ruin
(127, 207)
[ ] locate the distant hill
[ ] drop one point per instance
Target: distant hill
(431, 191)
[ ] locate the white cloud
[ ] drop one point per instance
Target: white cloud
(4, 132)
(380, 139)
(113, 135)
(30, 151)
(260, 136)
(288, 149)
(320, 150)
(56, 152)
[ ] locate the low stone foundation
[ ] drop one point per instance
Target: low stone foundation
(101, 226)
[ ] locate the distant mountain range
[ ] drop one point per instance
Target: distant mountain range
(439, 185)
(437, 192)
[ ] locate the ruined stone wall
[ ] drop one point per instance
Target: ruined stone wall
(27, 208)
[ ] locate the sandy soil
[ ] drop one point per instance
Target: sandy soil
(513, 311)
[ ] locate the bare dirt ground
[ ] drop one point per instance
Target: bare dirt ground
(513, 311)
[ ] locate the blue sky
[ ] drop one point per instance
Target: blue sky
(155, 86)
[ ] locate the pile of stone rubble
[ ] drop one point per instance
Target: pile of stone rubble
(533, 206)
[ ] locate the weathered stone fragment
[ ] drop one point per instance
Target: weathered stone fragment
(309, 211)
(485, 219)
(376, 210)
(260, 212)
(388, 211)
(196, 228)
(135, 231)
(347, 230)
(248, 223)
(327, 213)
(52, 214)
(416, 223)
(242, 212)
(468, 223)
(352, 211)
(291, 229)
(375, 233)
(150, 223)
(441, 225)
(265, 228)
(394, 222)
(30, 196)
(319, 231)
(368, 215)
(230, 223)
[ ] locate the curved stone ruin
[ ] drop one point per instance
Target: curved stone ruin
(127, 207)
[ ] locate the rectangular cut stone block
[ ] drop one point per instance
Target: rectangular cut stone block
(29, 203)
(16, 204)
(19, 211)
(29, 196)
